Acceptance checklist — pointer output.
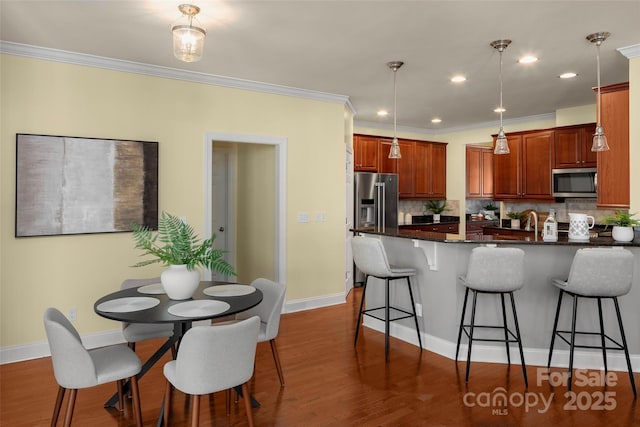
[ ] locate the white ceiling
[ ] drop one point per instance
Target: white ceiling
(341, 47)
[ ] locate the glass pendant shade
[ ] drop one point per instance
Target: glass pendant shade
(188, 40)
(599, 140)
(394, 152)
(502, 146)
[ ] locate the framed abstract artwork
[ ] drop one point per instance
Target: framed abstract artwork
(74, 185)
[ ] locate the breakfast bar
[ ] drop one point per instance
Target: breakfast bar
(441, 259)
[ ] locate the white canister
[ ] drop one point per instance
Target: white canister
(550, 229)
(579, 226)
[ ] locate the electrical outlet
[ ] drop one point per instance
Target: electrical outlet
(419, 309)
(303, 216)
(73, 314)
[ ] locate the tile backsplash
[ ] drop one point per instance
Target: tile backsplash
(416, 208)
(586, 206)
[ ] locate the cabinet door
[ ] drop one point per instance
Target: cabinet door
(537, 161)
(487, 173)
(438, 169)
(506, 170)
(406, 169)
(385, 164)
(365, 149)
(568, 148)
(613, 165)
(474, 172)
(589, 158)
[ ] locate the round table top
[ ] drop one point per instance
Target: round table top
(159, 313)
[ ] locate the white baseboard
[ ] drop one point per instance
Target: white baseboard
(497, 354)
(18, 353)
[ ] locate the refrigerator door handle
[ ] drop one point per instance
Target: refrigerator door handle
(379, 226)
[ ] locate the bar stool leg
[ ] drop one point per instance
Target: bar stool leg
(415, 316)
(555, 328)
(602, 340)
(364, 291)
(473, 319)
(573, 339)
(504, 325)
(386, 321)
(515, 320)
(464, 309)
(626, 349)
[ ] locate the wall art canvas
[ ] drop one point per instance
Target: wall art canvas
(73, 185)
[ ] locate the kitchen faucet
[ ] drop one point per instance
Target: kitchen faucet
(535, 222)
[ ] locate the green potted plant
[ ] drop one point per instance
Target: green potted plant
(437, 207)
(177, 246)
(490, 210)
(623, 223)
(516, 218)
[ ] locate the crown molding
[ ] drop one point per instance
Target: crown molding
(632, 51)
(57, 55)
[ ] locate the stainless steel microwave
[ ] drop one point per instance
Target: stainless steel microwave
(578, 182)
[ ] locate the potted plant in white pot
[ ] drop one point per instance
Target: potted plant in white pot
(516, 218)
(176, 245)
(437, 207)
(623, 224)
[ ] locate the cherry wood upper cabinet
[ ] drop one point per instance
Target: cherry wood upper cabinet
(430, 170)
(479, 171)
(573, 147)
(525, 173)
(385, 164)
(613, 165)
(365, 153)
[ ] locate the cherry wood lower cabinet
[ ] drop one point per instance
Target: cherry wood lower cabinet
(436, 228)
(613, 165)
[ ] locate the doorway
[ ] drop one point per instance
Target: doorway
(228, 161)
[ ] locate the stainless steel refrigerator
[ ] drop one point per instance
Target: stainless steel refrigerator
(375, 203)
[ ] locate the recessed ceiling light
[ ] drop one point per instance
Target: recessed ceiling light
(500, 110)
(383, 113)
(458, 79)
(436, 120)
(527, 59)
(567, 75)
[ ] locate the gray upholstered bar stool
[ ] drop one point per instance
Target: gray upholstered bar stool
(597, 273)
(497, 271)
(370, 257)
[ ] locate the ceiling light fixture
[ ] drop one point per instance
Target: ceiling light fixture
(502, 146)
(188, 40)
(528, 59)
(599, 138)
(436, 120)
(383, 113)
(458, 79)
(394, 152)
(567, 75)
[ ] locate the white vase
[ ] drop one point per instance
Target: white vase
(179, 282)
(622, 234)
(515, 223)
(436, 217)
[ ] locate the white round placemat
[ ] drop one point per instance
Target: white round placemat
(127, 304)
(199, 308)
(229, 290)
(152, 289)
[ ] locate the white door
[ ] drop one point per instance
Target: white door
(222, 201)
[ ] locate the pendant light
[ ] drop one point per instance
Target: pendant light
(188, 40)
(502, 146)
(394, 152)
(599, 138)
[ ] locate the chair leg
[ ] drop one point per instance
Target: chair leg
(602, 339)
(120, 395)
(195, 412)
(464, 309)
(228, 401)
(276, 358)
(555, 328)
(137, 410)
(386, 321)
(504, 326)
(626, 349)
(70, 406)
(573, 339)
(56, 409)
(415, 316)
(473, 319)
(515, 320)
(247, 403)
(364, 291)
(167, 403)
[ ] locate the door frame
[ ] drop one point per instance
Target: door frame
(280, 225)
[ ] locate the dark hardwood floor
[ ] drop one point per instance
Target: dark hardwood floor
(329, 383)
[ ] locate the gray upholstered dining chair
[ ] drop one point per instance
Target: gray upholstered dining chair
(212, 359)
(75, 367)
(135, 332)
(269, 311)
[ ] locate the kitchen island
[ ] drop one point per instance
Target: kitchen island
(441, 259)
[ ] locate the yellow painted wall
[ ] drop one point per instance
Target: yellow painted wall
(576, 115)
(73, 271)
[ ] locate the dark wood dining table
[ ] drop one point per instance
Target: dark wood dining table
(159, 313)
